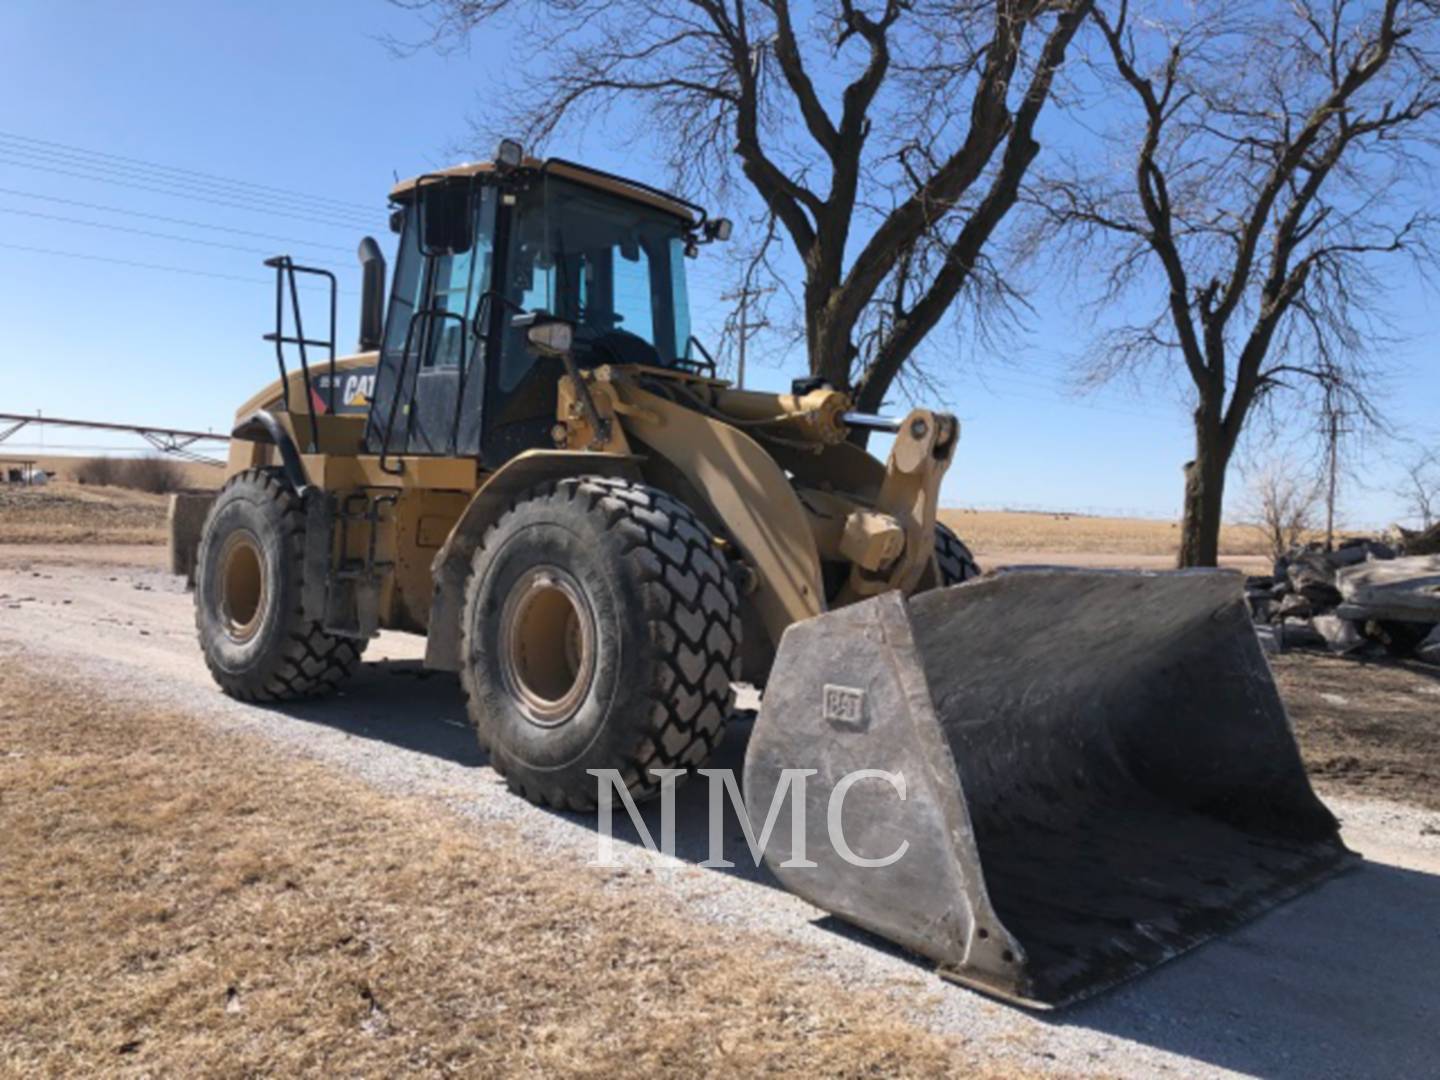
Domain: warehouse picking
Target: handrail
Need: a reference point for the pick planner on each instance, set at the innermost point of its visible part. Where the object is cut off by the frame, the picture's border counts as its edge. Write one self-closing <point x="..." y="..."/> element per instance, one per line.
<point x="285" y="270"/>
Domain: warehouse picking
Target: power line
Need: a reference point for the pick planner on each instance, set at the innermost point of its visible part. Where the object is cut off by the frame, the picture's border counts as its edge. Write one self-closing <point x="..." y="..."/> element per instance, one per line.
<point x="177" y="189"/>
<point x="1051" y="400"/>
<point x="187" y="195"/>
<point x="15" y="137"/>
<point x="191" y="271"/>
<point x="173" y="221"/>
<point x="1038" y="381"/>
<point x="76" y="446"/>
<point x="225" y="189"/>
<point x="145" y="232"/>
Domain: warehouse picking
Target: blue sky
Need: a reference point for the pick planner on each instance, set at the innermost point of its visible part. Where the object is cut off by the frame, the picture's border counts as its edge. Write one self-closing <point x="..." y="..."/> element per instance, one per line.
<point x="305" y="98"/>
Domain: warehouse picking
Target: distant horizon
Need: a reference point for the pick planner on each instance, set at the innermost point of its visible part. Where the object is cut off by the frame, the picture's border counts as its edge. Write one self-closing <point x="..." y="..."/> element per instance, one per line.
<point x="1093" y="512"/>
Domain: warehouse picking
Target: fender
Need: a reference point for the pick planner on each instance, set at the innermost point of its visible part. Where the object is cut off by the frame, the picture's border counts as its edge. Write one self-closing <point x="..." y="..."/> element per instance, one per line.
<point x="452" y="561"/>
<point x="262" y="426"/>
<point x="746" y="490"/>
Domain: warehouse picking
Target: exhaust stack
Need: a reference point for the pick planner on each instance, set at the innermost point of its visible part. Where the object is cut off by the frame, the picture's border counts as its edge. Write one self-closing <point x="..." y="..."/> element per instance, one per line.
<point x="372" y="295"/>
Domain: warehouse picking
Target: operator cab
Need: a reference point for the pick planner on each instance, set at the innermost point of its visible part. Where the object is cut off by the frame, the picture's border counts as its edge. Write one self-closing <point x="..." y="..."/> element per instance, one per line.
<point x="485" y="251"/>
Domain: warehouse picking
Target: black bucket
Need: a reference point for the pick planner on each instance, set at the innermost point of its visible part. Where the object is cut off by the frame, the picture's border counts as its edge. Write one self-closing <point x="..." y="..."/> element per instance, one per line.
<point x="1097" y="774"/>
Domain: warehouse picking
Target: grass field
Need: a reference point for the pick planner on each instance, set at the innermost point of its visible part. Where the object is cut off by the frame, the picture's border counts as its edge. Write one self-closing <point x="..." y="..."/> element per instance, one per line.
<point x="1007" y="530"/>
<point x="988" y="531"/>
<point x="66" y="513"/>
<point x="70" y="513"/>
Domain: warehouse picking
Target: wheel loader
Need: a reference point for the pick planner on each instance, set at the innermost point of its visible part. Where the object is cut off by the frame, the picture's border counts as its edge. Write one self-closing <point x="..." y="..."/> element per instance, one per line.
<point x="532" y="462"/>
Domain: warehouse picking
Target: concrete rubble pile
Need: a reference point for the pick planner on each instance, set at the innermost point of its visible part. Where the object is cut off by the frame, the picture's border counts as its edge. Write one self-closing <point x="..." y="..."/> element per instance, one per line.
<point x="1365" y="597"/>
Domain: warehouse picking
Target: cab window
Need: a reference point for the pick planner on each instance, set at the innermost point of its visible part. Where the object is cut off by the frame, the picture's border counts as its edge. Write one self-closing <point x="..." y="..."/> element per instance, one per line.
<point x="452" y="286"/>
<point x="611" y="266"/>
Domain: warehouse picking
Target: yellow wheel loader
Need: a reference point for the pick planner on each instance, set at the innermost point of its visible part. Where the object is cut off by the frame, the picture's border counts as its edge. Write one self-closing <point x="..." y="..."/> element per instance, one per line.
<point x="1046" y="781"/>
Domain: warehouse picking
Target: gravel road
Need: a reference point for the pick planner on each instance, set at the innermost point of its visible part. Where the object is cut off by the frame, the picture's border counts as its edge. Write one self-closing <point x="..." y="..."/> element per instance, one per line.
<point x="1344" y="982"/>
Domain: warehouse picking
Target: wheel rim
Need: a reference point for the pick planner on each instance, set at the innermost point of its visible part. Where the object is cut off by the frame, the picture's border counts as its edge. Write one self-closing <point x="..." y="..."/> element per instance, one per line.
<point x="547" y="645"/>
<point x="242" y="585"/>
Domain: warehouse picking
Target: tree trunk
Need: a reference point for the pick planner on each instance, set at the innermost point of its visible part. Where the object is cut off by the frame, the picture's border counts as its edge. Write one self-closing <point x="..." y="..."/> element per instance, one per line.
<point x="1204" y="497"/>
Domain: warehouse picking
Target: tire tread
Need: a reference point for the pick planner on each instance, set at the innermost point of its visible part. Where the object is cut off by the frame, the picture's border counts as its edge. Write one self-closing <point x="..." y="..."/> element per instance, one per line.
<point x="692" y="607"/>
<point x="311" y="662"/>
<point x="953" y="558"/>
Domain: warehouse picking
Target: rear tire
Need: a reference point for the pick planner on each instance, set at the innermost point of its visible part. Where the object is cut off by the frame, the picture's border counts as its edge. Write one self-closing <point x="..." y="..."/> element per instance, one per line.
<point x="953" y="558"/>
<point x="257" y="642"/>
<point x="600" y="631"/>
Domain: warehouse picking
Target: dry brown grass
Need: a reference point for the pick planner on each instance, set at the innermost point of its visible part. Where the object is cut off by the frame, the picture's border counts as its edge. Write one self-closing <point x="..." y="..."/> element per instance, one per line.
<point x="72" y="513"/>
<point x="988" y="531"/>
<point x="64" y="513"/>
<point x="179" y="901"/>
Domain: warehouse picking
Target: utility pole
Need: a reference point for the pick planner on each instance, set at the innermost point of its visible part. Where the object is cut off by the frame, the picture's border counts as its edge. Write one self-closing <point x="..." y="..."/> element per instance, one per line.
<point x="1330" y="495"/>
<point x="743" y="296"/>
<point x="1332" y="429"/>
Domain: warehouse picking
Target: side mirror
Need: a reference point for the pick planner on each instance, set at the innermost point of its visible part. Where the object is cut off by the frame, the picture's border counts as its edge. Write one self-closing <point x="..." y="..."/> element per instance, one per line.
<point x="447" y="215"/>
<point x="719" y="229"/>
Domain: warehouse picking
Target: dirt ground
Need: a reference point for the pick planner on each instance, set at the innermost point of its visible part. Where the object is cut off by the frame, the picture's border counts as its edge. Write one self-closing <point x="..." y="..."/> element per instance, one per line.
<point x="1367" y="728"/>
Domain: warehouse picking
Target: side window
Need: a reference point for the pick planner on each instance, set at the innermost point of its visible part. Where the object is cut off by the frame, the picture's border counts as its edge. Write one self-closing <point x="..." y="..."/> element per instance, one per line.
<point x="534" y="280"/>
<point x="405" y="295"/>
<point x="457" y="285"/>
<point x="678" y="297"/>
<point x="540" y="294"/>
<point x="631" y="282"/>
<point x="451" y="292"/>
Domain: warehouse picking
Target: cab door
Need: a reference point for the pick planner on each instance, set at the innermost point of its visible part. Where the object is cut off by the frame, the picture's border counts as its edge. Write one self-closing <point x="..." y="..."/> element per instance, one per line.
<point x="429" y="392"/>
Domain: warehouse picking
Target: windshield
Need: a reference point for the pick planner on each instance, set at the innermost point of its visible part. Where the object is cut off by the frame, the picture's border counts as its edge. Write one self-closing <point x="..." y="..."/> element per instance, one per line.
<point x="614" y="268"/>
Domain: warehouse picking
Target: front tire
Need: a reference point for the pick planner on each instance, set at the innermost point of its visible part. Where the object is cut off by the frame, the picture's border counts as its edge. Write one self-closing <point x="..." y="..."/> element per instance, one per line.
<point x="257" y="642"/>
<point x="953" y="558"/>
<point x="600" y="631"/>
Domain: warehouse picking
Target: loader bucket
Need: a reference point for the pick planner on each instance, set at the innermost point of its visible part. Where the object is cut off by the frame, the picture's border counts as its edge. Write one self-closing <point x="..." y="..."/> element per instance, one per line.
<point x="1091" y="773"/>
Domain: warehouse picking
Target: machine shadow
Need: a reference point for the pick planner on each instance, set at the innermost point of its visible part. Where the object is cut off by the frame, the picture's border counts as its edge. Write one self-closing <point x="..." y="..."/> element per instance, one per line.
<point x="693" y="842"/>
<point x="400" y="703"/>
<point x="1342" y="981"/>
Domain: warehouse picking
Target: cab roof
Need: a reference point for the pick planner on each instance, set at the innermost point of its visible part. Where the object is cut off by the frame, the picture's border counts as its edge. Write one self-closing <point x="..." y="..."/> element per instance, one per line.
<point x="600" y="181"/>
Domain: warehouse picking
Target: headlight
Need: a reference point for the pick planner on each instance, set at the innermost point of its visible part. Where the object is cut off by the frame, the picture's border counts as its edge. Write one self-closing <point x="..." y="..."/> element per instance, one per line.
<point x="508" y="154"/>
<point x="553" y="336"/>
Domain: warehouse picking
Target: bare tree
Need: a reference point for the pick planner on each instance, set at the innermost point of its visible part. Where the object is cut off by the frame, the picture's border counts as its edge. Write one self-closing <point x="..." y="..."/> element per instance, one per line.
<point x="1421" y="488"/>
<point x="1272" y="154"/>
<point x="888" y="140"/>
<point x="1283" y="500"/>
